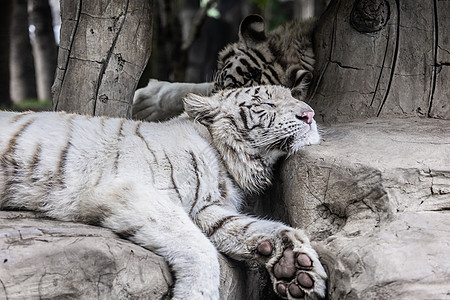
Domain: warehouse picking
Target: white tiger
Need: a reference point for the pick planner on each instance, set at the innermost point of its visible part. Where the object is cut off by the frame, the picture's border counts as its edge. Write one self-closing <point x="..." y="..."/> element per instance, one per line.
<point x="175" y="187"/>
<point x="283" y="56"/>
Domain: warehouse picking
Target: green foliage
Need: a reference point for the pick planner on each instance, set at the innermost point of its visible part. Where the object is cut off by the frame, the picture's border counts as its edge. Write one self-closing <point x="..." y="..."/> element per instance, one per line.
<point x="29" y="104"/>
<point x="261" y="3"/>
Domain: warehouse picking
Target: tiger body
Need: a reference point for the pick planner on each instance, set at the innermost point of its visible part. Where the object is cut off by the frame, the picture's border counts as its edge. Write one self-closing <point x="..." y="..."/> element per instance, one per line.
<point x="283" y="56"/>
<point x="174" y="187"/>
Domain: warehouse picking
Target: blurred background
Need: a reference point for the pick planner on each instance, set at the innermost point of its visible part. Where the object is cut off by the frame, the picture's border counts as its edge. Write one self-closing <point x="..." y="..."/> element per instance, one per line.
<point x="187" y="36"/>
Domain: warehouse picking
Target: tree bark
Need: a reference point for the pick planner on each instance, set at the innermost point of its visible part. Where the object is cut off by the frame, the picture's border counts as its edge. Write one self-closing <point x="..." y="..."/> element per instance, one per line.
<point x="44" y="46"/>
<point x="382" y="58"/>
<point x="23" y="80"/>
<point x="304" y="9"/>
<point x="103" y="50"/>
<point x="5" y="17"/>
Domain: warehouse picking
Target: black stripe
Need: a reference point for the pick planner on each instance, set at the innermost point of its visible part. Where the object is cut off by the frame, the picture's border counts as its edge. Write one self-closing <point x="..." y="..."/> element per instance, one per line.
<point x="272" y="119"/>
<point x="172" y="178"/>
<point x="254" y="60"/>
<point x="99" y="178"/>
<point x="119" y="138"/>
<point x="60" y="171"/>
<point x="227" y="94"/>
<point x="219" y="224"/>
<point x="11" y="148"/>
<point x="260" y="56"/>
<point x="235" y="83"/>
<point x="232" y="121"/>
<point x="9" y="164"/>
<point x="197" y="188"/>
<point x="17" y="117"/>
<point x="223" y="188"/>
<point x="217" y="202"/>
<point x="244" y="62"/>
<point x="246" y="227"/>
<point x="227" y="66"/>
<point x="10" y="171"/>
<point x="138" y="133"/>
<point x="243" y="117"/>
<point x="35" y="160"/>
<point x="274" y="73"/>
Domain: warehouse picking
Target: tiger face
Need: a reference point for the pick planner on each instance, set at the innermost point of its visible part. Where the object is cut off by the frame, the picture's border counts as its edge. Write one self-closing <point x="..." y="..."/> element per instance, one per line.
<point x="283" y="57"/>
<point x="259" y="119"/>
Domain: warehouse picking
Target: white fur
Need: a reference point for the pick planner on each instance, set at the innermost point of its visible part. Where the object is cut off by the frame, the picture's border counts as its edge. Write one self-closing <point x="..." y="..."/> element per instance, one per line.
<point x="174" y="187"/>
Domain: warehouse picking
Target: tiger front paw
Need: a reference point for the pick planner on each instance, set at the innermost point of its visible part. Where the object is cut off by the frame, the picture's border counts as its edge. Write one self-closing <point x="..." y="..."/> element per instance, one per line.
<point x="294" y="266"/>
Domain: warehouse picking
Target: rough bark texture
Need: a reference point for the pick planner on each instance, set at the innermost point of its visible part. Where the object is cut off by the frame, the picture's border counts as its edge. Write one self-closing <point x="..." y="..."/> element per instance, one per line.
<point x="44" y="46"/>
<point x="99" y="61"/>
<point x="381" y="58"/>
<point x="46" y="259"/>
<point x="23" y="81"/>
<point x="375" y="196"/>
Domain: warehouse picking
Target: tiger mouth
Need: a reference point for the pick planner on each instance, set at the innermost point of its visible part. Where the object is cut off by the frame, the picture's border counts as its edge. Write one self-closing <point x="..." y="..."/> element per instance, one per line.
<point x="294" y="142"/>
<point x="288" y="143"/>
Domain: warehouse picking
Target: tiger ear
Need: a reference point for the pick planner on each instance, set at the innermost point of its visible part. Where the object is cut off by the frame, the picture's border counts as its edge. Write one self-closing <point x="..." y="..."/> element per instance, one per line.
<point x="201" y="108"/>
<point x="251" y="30"/>
<point x="300" y="81"/>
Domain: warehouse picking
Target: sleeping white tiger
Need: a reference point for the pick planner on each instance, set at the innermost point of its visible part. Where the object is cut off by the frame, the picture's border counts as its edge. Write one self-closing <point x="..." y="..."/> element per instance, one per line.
<point x="174" y="187"/>
<point x="283" y="57"/>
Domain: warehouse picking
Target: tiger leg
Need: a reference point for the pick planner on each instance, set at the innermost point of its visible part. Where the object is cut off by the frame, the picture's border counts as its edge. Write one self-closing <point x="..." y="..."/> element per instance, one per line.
<point x="149" y="218"/>
<point x="292" y="263"/>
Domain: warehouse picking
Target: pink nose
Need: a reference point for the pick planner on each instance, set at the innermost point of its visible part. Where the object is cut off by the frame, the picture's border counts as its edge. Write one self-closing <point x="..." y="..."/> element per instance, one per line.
<point x="306" y="116"/>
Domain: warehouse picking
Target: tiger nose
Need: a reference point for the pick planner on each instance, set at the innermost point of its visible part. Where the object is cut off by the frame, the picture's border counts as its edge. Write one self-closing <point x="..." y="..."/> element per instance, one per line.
<point x="306" y="116"/>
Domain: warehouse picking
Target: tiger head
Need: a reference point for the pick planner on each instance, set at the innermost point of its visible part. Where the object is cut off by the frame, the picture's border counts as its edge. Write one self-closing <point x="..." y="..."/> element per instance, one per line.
<point x="282" y="57"/>
<point x="251" y="128"/>
<point x="260" y="119"/>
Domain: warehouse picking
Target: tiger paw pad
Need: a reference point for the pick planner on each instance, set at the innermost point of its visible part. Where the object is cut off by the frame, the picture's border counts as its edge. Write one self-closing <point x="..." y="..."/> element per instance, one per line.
<point x="295" y="268"/>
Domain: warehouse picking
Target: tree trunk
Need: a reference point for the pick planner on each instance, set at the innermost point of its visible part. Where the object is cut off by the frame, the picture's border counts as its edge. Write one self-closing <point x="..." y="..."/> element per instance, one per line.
<point x="103" y="50"/>
<point x="23" y="81"/>
<point x="5" y="17"/>
<point x="382" y="58"/>
<point x="44" y="46"/>
<point x="168" y="31"/>
<point x="304" y="9"/>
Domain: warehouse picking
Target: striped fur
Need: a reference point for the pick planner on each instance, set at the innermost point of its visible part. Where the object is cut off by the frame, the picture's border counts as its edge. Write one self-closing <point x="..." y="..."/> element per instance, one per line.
<point x="174" y="187"/>
<point x="284" y="57"/>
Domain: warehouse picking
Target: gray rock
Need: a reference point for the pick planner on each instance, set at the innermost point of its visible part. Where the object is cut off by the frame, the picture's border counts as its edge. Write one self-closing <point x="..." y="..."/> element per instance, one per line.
<point x="375" y="196"/>
<point x="47" y="259"/>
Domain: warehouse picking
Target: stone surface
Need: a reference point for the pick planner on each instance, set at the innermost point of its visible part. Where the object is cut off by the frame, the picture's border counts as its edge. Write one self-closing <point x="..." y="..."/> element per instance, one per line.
<point x="375" y="197"/>
<point x="47" y="259"/>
